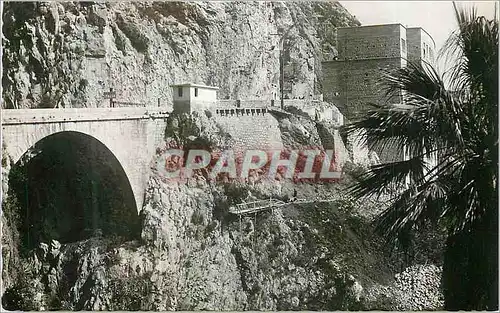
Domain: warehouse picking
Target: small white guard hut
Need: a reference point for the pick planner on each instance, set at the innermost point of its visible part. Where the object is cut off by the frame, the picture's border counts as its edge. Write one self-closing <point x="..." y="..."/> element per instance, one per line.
<point x="193" y="97"/>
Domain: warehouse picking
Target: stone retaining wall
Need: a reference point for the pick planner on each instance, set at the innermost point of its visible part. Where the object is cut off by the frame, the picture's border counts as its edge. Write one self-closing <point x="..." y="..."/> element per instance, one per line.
<point x="252" y="131"/>
<point x="245" y="103"/>
<point x="220" y="104"/>
<point x="241" y="111"/>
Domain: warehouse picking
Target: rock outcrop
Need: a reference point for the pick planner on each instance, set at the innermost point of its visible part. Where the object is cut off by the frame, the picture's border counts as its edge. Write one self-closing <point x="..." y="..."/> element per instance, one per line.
<point x="193" y="254"/>
<point x="70" y="54"/>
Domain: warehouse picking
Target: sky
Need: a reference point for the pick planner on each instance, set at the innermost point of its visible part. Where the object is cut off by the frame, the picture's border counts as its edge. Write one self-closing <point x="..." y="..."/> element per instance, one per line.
<point x="436" y="17"/>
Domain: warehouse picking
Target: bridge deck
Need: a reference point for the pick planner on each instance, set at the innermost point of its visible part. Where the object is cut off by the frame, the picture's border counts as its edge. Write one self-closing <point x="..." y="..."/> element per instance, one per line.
<point x="34" y="116"/>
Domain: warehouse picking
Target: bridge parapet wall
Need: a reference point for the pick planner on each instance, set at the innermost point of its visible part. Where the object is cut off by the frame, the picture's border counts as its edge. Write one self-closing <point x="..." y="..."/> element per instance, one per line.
<point x="30" y="116"/>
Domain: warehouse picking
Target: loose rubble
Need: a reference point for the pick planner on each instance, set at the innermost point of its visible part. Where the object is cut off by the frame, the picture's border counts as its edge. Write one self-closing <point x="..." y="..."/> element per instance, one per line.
<point x="416" y="288"/>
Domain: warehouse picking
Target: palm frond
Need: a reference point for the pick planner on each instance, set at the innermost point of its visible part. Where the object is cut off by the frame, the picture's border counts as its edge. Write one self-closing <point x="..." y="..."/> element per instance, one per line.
<point x="460" y="126"/>
<point x="416" y="205"/>
<point x="473" y="192"/>
<point x="428" y="120"/>
<point x="474" y="50"/>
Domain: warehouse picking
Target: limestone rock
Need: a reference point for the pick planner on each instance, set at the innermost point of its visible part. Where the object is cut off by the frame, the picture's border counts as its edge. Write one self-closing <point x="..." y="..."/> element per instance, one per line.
<point x="70" y="54"/>
<point x="192" y="253"/>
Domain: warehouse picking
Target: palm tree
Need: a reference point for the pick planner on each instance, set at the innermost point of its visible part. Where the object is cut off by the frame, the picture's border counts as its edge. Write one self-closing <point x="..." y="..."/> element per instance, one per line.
<point x="459" y="190"/>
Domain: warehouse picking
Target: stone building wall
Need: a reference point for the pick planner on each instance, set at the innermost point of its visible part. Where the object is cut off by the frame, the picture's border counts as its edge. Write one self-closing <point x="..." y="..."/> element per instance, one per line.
<point x="421" y="45"/>
<point x="414" y="44"/>
<point x="350" y="85"/>
<point x="183" y="106"/>
<point x="355" y="79"/>
<point x="365" y="53"/>
<point x="430" y="46"/>
<point x="368" y="42"/>
<point x="189" y="106"/>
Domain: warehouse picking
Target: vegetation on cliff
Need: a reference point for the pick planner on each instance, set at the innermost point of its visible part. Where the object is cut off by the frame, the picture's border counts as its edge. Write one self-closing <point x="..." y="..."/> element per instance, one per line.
<point x="190" y="252"/>
<point x="193" y="254"/>
<point x="458" y="130"/>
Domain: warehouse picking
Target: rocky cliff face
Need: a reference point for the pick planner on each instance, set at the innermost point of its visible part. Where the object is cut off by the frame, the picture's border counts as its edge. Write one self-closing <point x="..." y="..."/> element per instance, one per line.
<point x="70" y="54"/>
<point x="193" y="254"/>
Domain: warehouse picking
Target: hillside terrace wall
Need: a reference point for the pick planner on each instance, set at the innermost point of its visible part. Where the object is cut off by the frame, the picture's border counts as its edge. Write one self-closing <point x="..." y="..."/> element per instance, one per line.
<point x="245" y="103"/>
<point x="221" y="104"/>
<point x="241" y="111"/>
<point x="249" y="122"/>
<point x="314" y="108"/>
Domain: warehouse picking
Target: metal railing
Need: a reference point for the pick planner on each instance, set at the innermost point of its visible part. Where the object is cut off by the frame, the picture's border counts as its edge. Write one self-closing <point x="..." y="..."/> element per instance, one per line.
<point x="261" y="205"/>
<point x="122" y="104"/>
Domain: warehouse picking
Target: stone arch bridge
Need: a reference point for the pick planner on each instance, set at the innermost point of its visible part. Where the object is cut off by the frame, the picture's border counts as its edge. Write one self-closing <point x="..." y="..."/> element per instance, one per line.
<point x="130" y="134"/>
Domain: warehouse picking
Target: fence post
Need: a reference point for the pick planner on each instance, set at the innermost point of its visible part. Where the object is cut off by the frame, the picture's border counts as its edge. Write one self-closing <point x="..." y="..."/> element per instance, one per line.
<point x="111" y="102"/>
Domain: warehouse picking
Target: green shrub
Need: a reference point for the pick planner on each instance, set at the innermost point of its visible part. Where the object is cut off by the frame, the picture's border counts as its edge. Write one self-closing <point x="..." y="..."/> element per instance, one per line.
<point x="197" y="218"/>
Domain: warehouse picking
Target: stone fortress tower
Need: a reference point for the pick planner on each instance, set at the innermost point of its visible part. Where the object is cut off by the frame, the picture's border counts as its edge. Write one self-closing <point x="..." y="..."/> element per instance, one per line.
<point x="353" y="79"/>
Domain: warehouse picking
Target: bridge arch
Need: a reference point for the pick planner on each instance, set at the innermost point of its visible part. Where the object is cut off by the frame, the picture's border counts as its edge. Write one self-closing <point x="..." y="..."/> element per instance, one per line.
<point x="71" y="186"/>
<point x="131" y="134"/>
